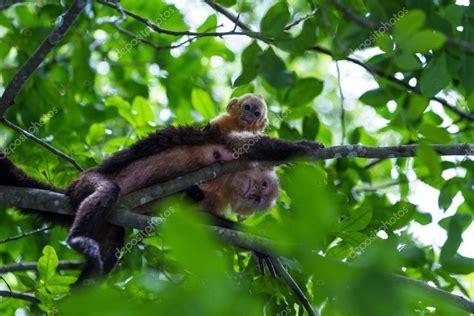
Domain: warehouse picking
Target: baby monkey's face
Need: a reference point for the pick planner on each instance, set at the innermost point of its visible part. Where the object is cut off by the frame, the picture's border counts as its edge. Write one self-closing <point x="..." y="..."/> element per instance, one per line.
<point x="251" y="111"/>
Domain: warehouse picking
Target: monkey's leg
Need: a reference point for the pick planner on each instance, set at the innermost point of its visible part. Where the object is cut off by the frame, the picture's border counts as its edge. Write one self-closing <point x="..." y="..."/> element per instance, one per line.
<point x="90" y="222"/>
<point x="110" y="244"/>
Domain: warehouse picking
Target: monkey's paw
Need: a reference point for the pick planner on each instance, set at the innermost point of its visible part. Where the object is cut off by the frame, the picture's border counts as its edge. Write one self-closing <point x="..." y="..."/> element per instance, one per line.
<point x="310" y="145"/>
<point x="89" y="248"/>
<point x="264" y="260"/>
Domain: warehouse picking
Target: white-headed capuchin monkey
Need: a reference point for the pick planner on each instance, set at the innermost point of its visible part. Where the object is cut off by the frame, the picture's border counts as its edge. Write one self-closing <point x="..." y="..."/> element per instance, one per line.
<point x="245" y="113"/>
<point x="165" y="154"/>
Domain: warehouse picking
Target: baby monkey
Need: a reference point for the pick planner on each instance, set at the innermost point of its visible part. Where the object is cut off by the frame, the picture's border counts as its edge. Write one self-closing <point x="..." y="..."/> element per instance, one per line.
<point x="245" y="113"/>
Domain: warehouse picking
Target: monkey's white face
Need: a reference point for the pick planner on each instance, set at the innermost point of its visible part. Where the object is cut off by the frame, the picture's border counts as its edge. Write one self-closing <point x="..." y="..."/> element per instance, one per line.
<point x="252" y="111"/>
<point x="254" y="190"/>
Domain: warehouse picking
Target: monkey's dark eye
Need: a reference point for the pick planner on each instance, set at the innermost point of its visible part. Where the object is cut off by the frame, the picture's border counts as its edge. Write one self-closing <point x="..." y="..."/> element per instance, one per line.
<point x="257" y="113"/>
<point x="258" y="199"/>
<point x="216" y="155"/>
<point x="264" y="184"/>
<point x="247" y="107"/>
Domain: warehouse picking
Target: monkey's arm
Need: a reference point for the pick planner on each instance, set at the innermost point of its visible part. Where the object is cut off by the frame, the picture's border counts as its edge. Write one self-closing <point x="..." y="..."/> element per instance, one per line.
<point x="261" y="147"/>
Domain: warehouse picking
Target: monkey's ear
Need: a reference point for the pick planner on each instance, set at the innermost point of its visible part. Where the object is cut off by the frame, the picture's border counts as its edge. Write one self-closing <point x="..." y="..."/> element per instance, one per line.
<point x="233" y="106"/>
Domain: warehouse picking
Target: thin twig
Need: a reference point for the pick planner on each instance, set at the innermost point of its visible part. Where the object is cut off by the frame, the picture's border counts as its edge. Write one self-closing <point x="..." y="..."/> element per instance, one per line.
<point x="228" y="14"/>
<point x="161" y="30"/>
<point x="295" y="288"/>
<point x="298" y="21"/>
<point x="27" y="69"/>
<point x="42" y="143"/>
<point x="24" y="234"/>
<point x="375" y="71"/>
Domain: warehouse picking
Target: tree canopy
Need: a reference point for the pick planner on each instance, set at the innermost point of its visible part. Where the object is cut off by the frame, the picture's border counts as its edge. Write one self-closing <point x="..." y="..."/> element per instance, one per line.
<point x="378" y="223"/>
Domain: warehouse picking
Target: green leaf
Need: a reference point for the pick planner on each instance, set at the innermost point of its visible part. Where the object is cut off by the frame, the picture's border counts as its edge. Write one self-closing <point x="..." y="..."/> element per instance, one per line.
<point x="408" y="25"/>
<point x="459" y="265"/>
<point x="275" y="20"/>
<point x="250" y="65"/>
<point x="303" y="91"/>
<point x="143" y="114"/>
<point x="423" y="41"/>
<point x="209" y="25"/>
<point x="47" y="264"/>
<point x="353" y="238"/>
<point x="448" y="192"/>
<point x="203" y="103"/>
<point x="385" y="43"/>
<point x="358" y="219"/>
<point x="454" y="240"/>
<point x="430" y="159"/>
<point x="435" y="77"/>
<point x="375" y="98"/>
<point x="310" y="126"/>
<point x="226" y="3"/>
<point x="302" y="41"/>
<point x="96" y="134"/>
<point x="288" y="132"/>
<point x="413" y="256"/>
<point x="124" y="108"/>
<point x="435" y="134"/>
<point x="407" y="62"/>
<point x="274" y="70"/>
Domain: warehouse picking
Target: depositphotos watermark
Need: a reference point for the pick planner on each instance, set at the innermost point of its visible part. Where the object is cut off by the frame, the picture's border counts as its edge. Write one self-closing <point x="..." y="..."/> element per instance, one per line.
<point x="385" y="27"/>
<point x="373" y="234"/>
<point x="243" y="149"/>
<point x="145" y="33"/>
<point x="33" y="129"/>
<point x="149" y="228"/>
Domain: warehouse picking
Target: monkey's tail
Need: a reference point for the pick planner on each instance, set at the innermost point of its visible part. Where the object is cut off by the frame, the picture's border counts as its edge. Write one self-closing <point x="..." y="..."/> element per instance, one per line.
<point x="11" y="175"/>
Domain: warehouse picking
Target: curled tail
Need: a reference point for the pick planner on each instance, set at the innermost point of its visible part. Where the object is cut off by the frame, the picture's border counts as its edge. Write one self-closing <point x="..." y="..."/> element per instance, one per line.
<point x="11" y="175"/>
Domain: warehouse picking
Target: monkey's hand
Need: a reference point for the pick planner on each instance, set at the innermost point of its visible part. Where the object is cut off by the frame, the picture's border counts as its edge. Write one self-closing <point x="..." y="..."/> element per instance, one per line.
<point x="264" y="260"/>
<point x="313" y="146"/>
<point x="215" y="153"/>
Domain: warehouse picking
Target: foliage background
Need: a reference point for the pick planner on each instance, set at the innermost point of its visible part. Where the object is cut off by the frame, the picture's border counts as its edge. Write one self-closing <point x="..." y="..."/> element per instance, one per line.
<point x="109" y="90"/>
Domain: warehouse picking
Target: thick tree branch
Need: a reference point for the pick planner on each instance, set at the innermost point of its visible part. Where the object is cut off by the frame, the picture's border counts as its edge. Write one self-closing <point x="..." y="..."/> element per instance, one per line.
<point x="20" y="296"/>
<point x="31" y="266"/>
<point x="47" y="200"/>
<point x="377" y="72"/>
<point x="27" y="69"/>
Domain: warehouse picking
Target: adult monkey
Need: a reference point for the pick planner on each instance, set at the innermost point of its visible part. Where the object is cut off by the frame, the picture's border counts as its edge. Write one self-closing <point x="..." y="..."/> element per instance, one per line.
<point x="96" y="191"/>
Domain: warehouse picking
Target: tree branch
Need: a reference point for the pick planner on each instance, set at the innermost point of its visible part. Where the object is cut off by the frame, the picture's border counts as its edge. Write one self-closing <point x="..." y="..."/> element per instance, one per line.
<point x="47" y="200"/>
<point x="31" y="266"/>
<point x="161" y="30"/>
<point x="42" y="143"/>
<point x="228" y="14"/>
<point x="20" y="296"/>
<point x="375" y="71"/>
<point x="24" y="234"/>
<point x="27" y="69"/>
